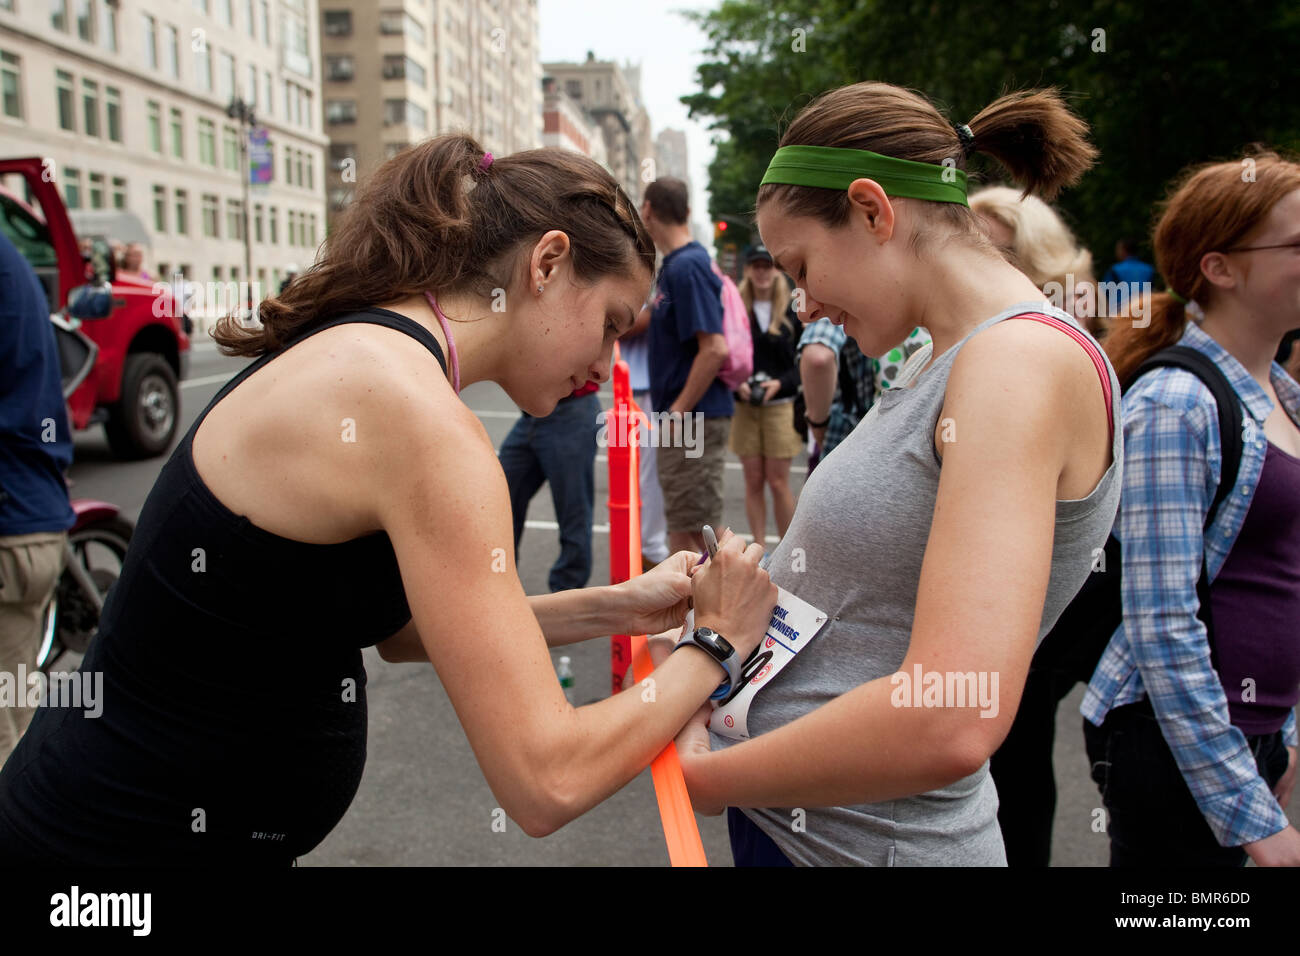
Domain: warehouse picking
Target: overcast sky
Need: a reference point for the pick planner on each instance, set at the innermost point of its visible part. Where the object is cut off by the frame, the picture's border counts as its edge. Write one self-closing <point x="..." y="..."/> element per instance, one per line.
<point x="666" y="45"/>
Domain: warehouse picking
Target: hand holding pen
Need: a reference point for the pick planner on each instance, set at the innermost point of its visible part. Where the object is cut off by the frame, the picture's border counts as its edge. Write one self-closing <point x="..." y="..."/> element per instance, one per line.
<point x="732" y="593"/>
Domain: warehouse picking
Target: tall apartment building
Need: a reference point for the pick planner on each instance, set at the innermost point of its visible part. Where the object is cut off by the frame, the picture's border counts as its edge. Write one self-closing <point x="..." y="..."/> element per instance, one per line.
<point x="670" y="155"/>
<point x="603" y="89"/>
<point x="401" y="71"/>
<point x="128" y="100"/>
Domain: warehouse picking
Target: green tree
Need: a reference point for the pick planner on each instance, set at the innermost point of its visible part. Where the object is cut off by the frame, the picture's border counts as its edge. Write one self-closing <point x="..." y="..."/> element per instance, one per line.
<point x="1163" y="84"/>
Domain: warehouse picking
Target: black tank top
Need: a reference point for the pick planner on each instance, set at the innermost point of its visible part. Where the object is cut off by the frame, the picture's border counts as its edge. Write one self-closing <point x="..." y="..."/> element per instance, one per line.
<point x="233" y="724"/>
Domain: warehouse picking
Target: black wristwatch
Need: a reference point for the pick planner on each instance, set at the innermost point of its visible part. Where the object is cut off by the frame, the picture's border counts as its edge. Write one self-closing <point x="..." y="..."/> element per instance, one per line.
<point x="720" y="649"/>
<point x="813" y="424"/>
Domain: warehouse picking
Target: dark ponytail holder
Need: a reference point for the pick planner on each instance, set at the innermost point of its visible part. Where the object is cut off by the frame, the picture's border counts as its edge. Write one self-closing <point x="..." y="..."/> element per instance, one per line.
<point x="966" y="137"/>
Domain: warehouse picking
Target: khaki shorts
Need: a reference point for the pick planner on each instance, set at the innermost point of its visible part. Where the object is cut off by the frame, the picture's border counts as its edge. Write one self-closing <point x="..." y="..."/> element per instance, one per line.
<point x="765" y="431"/>
<point x="692" y="486"/>
<point x="30" y="565"/>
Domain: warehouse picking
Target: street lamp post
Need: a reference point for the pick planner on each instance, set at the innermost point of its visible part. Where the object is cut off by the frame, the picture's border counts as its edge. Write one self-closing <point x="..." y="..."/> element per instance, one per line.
<point x="239" y="110"/>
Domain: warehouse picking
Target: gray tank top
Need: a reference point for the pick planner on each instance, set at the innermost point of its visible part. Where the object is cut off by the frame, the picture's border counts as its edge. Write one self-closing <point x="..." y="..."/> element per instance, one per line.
<point x="862" y="520"/>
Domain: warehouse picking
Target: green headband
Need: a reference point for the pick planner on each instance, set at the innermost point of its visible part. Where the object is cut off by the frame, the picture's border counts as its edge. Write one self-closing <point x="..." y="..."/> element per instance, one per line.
<point x="831" y="167"/>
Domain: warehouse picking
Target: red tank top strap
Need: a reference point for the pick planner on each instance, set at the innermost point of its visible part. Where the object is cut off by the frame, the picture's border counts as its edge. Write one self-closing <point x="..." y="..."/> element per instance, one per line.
<point x="1093" y="352"/>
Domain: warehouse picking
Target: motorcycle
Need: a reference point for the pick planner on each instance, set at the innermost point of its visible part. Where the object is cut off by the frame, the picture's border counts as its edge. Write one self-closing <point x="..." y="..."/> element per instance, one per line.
<point x="96" y="546"/>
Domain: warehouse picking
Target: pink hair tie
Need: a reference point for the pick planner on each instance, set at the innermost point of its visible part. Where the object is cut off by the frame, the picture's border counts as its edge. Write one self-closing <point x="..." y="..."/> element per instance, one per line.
<point x="487" y="161"/>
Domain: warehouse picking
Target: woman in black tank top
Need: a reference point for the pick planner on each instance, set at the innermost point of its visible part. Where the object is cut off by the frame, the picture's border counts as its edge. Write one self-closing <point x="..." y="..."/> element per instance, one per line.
<point x="191" y="761"/>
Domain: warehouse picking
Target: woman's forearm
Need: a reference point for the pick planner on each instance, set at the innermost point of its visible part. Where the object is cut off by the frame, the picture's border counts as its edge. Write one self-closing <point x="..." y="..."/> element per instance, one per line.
<point x="568" y="617"/>
<point x="858" y="748"/>
<point x="617" y="737"/>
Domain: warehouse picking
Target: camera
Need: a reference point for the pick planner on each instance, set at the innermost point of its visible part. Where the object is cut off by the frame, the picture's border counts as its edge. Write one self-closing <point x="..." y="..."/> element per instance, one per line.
<point x="756" y="391"/>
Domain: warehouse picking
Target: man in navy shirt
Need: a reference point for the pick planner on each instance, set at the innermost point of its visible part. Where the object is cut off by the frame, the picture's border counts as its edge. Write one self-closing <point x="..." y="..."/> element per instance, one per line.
<point x="35" y="447"/>
<point x="1132" y="276"/>
<point x="687" y="349"/>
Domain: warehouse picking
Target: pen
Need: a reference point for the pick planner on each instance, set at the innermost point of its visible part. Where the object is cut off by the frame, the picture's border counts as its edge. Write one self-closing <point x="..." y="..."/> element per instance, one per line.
<point x="710" y="545"/>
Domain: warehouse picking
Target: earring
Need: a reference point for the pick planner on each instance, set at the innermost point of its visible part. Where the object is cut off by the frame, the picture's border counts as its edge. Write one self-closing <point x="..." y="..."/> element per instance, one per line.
<point x="539" y="288"/>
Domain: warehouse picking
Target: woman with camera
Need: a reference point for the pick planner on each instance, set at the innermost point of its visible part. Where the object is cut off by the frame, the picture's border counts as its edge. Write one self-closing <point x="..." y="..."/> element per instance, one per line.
<point x="763" y="432"/>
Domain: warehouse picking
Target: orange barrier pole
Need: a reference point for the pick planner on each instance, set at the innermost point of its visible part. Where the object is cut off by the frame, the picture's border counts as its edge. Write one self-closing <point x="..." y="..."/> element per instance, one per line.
<point x="623" y="422"/>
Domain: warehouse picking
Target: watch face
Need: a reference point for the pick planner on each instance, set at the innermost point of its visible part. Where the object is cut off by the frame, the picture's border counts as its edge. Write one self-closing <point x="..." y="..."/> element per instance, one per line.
<point x="715" y="642"/>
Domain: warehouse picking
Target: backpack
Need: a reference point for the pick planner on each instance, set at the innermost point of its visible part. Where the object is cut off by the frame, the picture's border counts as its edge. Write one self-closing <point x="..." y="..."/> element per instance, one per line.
<point x="1084" y="629"/>
<point x="739" y="363"/>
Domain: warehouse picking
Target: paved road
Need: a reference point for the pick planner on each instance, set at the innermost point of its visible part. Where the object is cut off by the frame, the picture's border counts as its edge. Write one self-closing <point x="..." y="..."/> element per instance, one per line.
<point x="423" y="800"/>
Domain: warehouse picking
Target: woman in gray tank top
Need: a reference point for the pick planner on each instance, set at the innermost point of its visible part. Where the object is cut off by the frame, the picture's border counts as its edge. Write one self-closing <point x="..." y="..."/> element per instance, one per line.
<point x="945" y="535"/>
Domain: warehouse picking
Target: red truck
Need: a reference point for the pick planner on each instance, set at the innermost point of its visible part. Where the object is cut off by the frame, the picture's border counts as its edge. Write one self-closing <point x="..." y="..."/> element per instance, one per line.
<point x="144" y="350"/>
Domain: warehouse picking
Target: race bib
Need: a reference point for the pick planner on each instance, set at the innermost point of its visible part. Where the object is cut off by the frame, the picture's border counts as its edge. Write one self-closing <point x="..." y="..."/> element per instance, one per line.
<point x="793" y="625"/>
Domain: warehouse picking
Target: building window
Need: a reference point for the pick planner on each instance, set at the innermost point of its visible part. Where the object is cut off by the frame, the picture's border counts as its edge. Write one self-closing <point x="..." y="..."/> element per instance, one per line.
<point x="340" y="111"/>
<point x="249" y="22"/>
<point x="227" y="75"/>
<point x="268" y="89"/>
<point x="397" y="112"/>
<point x="339" y="68"/>
<point x="207" y="142"/>
<point x="10" y="87"/>
<point x="119" y="192"/>
<point x="230" y="148"/>
<point x="288" y="165"/>
<point x="272" y="225"/>
<point x="312" y="237"/>
<point x="210" y="216"/>
<point x="257" y="222"/>
<point x="108" y="26"/>
<point x="339" y="197"/>
<point x="155" y="127"/>
<point x="96" y="190"/>
<point x="311" y="174"/>
<point x="66" y="96"/>
<point x="160" y="208"/>
<point x="226" y="12"/>
<point x="59" y="15"/>
<point x="150" y="42"/>
<point x="401" y="22"/>
<point x="72" y="188"/>
<point x="392" y="149"/>
<point x="250" y="88"/>
<point x="182" y="212"/>
<point x="203" y="68"/>
<point x="338" y="23"/>
<point x="86" y="20"/>
<point x="113" y="113"/>
<point x="340" y="153"/>
<point x="172" y="52"/>
<point x="298" y="172"/>
<point x="200" y="5"/>
<point x="291" y="228"/>
<point x="90" y="106"/>
<point x="234" y="219"/>
<point x="265" y="11"/>
<point x="178" y="133"/>
<point x="397" y="66"/>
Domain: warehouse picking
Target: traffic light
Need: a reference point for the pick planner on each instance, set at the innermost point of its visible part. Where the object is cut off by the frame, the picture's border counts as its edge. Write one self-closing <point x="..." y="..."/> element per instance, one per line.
<point x="719" y="228"/>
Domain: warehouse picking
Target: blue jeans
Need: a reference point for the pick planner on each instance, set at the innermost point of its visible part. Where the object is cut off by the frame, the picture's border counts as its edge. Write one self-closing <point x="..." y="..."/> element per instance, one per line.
<point x="559" y="449"/>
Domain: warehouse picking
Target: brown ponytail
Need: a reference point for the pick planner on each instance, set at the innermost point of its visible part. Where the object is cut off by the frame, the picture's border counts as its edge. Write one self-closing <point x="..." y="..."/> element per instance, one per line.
<point x="435" y="218"/>
<point x="1032" y="133"/>
<point x="1211" y="207"/>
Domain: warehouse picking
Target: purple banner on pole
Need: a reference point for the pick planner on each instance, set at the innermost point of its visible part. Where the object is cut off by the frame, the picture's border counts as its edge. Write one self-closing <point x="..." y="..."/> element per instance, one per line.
<point x="260" y="158"/>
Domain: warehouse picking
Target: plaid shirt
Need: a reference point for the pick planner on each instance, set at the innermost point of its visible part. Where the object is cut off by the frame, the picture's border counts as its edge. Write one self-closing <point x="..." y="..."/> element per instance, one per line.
<point x="843" y="420"/>
<point x="1172" y="459"/>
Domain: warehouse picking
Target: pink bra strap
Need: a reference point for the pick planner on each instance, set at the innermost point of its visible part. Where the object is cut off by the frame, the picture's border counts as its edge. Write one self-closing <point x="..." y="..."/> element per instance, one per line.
<point x="1093" y="353"/>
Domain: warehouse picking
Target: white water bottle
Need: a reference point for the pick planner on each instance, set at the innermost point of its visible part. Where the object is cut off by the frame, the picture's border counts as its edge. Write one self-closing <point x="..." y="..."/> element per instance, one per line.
<point x="565" y="673"/>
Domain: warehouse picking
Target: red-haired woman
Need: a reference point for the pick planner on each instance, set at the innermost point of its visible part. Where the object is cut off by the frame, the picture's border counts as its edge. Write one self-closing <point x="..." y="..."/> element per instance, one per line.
<point x="950" y="528"/>
<point x="1196" y="760"/>
<point x="337" y="495"/>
